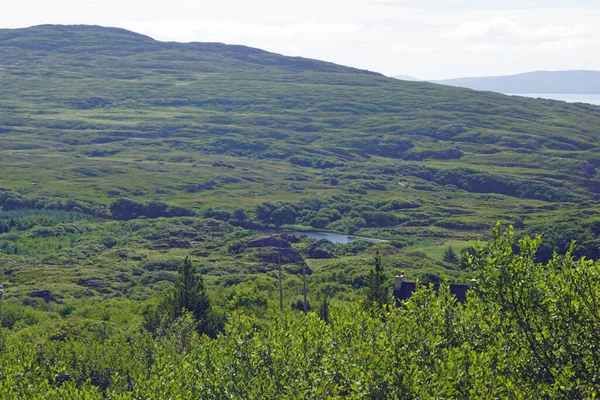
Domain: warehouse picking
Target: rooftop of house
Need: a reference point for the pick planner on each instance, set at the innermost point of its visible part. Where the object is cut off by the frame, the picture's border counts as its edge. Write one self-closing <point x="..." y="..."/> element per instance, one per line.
<point x="403" y="289"/>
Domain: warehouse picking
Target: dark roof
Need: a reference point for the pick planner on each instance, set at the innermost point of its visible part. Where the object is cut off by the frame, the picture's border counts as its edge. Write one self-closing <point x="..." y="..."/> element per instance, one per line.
<point x="406" y="290"/>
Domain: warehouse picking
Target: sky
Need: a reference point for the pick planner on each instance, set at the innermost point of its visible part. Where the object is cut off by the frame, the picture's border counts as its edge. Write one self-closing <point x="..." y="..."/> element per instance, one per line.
<point x="434" y="39"/>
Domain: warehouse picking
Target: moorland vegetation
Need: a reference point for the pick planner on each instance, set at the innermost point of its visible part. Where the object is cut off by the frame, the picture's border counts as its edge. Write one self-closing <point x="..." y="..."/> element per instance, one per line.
<point x="122" y="156"/>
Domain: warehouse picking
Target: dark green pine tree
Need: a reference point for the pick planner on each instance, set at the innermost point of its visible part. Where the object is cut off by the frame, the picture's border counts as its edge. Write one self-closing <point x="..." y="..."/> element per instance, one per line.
<point x="324" y="310"/>
<point x="449" y="256"/>
<point x="377" y="291"/>
<point x="190" y="293"/>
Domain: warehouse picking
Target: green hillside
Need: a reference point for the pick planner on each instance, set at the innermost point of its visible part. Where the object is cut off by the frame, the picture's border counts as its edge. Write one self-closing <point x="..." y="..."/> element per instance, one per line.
<point x="105" y="125"/>
<point x="122" y="156"/>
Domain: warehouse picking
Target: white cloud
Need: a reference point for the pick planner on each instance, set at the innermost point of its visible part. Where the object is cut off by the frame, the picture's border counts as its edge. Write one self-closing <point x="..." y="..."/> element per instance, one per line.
<point x="480" y="29"/>
<point x="570" y="44"/>
<point x="485" y="47"/>
<point x="510" y="29"/>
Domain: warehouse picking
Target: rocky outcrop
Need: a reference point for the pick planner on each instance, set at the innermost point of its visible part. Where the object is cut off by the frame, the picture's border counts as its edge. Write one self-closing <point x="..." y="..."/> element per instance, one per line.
<point x="288" y="256"/>
<point x="290" y="237"/>
<point x="45" y="295"/>
<point x="93" y="283"/>
<point x="587" y="169"/>
<point x="319" y="250"/>
<point x="267" y="241"/>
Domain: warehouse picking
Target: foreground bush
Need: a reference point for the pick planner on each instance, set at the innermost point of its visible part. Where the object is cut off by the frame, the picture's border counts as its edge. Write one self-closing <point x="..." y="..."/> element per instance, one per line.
<point x="527" y="331"/>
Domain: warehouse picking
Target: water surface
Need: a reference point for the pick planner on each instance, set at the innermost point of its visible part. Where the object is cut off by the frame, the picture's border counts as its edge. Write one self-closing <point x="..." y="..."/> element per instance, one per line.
<point x="568" y="97"/>
<point x="336" y="237"/>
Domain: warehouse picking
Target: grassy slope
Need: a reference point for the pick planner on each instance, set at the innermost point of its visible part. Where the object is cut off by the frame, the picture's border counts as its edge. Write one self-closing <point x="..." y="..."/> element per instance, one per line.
<point x="94" y="114"/>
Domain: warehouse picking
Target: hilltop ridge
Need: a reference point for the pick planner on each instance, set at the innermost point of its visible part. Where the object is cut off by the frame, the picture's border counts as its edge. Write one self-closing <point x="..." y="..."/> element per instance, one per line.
<point x="76" y="40"/>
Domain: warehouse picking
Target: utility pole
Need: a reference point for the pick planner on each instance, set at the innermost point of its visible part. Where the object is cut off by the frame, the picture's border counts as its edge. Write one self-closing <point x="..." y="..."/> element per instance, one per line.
<point x="1" y="293"/>
<point x="304" y="276"/>
<point x="280" y="283"/>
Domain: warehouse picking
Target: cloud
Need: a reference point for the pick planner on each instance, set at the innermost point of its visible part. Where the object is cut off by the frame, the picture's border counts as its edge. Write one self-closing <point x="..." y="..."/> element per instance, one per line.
<point x="570" y="44"/>
<point x="401" y="47"/>
<point x="486" y="47"/>
<point x="481" y="29"/>
<point x="510" y="29"/>
<point x="238" y="32"/>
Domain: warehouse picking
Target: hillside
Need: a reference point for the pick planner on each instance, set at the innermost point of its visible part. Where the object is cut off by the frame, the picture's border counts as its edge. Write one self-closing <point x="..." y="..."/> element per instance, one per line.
<point x="148" y="191"/>
<point x="557" y="82"/>
<point x="100" y="126"/>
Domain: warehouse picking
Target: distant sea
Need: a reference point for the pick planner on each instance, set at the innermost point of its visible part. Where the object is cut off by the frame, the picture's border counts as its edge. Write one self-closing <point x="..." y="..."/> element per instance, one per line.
<point x="569" y="98"/>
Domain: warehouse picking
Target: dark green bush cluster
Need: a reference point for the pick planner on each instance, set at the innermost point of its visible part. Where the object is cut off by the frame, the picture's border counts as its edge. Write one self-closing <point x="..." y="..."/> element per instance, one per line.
<point x="344" y="213"/>
<point x="558" y="238"/>
<point x="473" y="181"/>
<point x="12" y="201"/>
<point x="27" y="218"/>
<point x="126" y="209"/>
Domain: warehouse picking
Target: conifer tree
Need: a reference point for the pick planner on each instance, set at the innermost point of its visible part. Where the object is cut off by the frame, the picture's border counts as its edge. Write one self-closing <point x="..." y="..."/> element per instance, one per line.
<point x="449" y="256"/>
<point x="377" y="292"/>
<point x="190" y="293"/>
<point x="324" y="310"/>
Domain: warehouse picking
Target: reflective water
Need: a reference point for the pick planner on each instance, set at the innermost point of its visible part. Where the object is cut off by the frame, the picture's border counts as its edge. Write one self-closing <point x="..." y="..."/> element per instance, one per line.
<point x="568" y="97"/>
<point x="336" y="237"/>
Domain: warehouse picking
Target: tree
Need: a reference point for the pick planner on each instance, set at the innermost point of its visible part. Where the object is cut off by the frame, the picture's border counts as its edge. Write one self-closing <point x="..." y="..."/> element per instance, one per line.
<point x="239" y="214"/>
<point x="324" y="310"/>
<point x="190" y="293"/>
<point x="377" y="292"/>
<point x="125" y="209"/>
<point x="450" y="256"/>
<point x="548" y="313"/>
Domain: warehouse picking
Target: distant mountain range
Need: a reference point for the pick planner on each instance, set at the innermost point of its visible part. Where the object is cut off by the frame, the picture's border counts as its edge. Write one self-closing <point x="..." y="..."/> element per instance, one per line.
<point x="572" y="82"/>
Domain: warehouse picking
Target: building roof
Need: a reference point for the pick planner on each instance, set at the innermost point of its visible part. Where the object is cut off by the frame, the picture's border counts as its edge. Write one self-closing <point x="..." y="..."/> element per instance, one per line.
<point x="404" y="290"/>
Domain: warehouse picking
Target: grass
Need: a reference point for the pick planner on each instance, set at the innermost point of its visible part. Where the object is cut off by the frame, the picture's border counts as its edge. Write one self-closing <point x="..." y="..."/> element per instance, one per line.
<point x="435" y="250"/>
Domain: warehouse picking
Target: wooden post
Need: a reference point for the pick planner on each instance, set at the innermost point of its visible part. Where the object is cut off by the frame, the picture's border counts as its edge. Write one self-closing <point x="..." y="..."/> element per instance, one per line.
<point x="280" y="283"/>
<point x="305" y="304"/>
<point x="1" y="293"/>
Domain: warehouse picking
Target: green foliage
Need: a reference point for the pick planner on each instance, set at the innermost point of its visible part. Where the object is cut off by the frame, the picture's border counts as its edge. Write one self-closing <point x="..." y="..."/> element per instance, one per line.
<point x="248" y="299"/>
<point x="549" y="313"/>
<point x="526" y="331"/>
<point x="450" y="256"/>
<point x="126" y="209"/>
<point x="236" y="247"/>
<point x="324" y="310"/>
<point x="378" y="292"/>
<point x="190" y="293"/>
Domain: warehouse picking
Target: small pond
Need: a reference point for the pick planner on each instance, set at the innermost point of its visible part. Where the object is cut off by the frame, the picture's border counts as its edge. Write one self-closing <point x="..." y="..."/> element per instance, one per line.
<point x="336" y="237"/>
